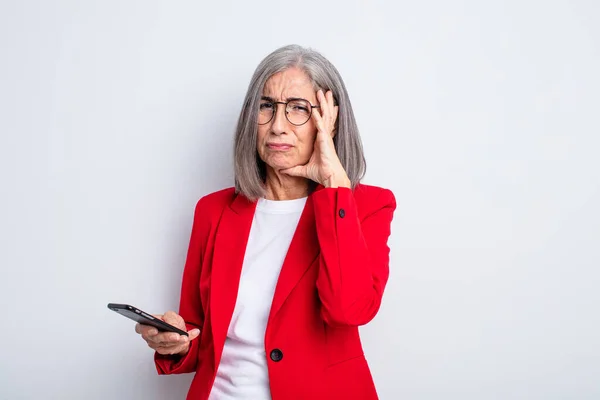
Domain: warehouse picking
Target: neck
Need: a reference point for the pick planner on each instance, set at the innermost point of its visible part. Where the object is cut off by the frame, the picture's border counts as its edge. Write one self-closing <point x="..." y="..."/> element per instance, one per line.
<point x="284" y="187"/>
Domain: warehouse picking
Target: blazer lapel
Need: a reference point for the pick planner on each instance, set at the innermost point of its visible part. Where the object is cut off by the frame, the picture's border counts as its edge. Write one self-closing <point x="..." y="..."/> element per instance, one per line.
<point x="302" y="252"/>
<point x="228" y="257"/>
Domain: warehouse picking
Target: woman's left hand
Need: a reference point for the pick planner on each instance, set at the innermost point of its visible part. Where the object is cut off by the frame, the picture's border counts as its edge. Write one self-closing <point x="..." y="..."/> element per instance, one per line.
<point x="324" y="165"/>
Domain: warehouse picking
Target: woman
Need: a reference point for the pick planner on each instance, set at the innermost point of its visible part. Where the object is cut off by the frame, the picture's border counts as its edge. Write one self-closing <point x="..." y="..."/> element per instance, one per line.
<point x="282" y="269"/>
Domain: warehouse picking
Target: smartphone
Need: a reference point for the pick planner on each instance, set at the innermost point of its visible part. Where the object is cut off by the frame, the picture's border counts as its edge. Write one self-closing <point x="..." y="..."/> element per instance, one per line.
<point x="144" y="318"/>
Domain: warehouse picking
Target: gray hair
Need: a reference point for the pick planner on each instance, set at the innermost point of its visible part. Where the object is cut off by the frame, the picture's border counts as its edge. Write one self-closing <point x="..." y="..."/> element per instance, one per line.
<point x="250" y="170"/>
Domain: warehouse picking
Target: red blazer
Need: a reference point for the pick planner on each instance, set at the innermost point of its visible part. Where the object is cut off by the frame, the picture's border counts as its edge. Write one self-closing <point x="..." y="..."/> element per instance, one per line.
<point x="331" y="282"/>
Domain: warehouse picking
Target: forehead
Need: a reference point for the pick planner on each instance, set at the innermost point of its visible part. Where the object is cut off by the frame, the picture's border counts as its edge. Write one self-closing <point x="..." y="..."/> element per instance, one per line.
<point x="292" y="82"/>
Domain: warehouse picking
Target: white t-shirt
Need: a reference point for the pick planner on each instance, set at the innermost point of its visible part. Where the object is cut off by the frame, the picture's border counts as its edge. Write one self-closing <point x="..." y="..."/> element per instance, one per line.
<point x="242" y="373"/>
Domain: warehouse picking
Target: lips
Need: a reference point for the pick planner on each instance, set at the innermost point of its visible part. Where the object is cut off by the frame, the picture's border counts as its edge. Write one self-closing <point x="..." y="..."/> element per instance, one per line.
<point x="278" y="146"/>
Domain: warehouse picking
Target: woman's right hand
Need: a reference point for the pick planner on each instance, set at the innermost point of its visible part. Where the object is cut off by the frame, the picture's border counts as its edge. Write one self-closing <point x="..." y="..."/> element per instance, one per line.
<point x="168" y="343"/>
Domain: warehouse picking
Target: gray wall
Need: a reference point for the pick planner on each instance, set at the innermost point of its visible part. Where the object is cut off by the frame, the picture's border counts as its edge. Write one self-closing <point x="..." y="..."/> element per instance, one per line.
<point x="116" y="116"/>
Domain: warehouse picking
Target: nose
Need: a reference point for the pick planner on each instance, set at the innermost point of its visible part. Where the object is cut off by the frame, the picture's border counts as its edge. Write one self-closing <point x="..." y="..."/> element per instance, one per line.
<point x="279" y="122"/>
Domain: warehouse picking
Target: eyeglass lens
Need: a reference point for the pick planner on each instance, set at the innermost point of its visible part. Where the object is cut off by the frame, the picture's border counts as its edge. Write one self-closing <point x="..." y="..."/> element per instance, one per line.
<point x="298" y="111"/>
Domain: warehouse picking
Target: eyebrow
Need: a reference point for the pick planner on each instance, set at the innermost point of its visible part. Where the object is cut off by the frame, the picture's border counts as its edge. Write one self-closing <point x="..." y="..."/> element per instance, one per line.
<point x="267" y="98"/>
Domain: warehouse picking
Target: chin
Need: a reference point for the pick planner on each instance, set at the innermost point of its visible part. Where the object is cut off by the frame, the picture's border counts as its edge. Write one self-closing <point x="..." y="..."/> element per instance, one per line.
<point x="278" y="167"/>
<point x="280" y="164"/>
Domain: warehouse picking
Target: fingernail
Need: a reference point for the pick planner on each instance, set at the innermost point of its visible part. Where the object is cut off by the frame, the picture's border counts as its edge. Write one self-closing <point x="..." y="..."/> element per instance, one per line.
<point x="195" y="331"/>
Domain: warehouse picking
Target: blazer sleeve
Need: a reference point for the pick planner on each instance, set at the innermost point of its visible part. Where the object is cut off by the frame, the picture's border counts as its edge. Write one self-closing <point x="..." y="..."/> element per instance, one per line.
<point x="354" y="259"/>
<point x="190" y="307"/>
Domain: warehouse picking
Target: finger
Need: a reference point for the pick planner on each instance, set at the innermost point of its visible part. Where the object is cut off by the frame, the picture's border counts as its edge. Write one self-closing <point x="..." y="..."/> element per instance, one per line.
<point x="333" y="111"/>
<point x="326" y="115"/>
<point x="333" y="108"/>
<point x="323" y="134"/>
<point x="323" y="106"/>
<point x="298" y="170"/>
<point x="161" y="347"/>
<point x="330" y="102"/>
<point x="165" y="338"/>
<point x="171" y="337"/>
<point x="326" y="104"/>
<point x="193" y="334"/>
<point x="183" y="339"/>
<point x="152" y="339"/>
<point x="318" y="119"/>
<point x="146" y="330"/>
<point x="167" y="345"/>
<point x="335" y="115"/>
<point x="169" y="350"/>
<point x="171" y="317"/>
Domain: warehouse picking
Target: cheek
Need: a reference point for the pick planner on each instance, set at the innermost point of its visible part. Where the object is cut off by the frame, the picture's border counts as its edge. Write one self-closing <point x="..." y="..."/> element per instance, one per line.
<point x="307" y="138"/>
<point x="260" y="137"/>
<point x="305" y="149"/>
<point x="261" y="133"/>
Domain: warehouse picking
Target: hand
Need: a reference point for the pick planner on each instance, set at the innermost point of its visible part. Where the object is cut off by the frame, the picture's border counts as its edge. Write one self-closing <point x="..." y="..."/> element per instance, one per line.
<point x="324" y="166"/>
<point x="168" y="343"/>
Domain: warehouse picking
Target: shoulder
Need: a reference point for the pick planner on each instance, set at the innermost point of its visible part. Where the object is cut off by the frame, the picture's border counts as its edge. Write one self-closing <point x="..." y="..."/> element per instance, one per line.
<point x="218" y="198"/>
<point x="210" y="207"/>
<point x="370" y="199"/>
<point x="215" y="201"/>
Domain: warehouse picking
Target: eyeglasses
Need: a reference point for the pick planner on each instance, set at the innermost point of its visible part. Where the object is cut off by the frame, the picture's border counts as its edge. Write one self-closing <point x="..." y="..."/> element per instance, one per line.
<point x="297" y="111"/>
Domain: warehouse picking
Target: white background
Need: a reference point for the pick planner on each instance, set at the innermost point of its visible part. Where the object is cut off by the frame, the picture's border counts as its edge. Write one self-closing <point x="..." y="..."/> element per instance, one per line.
<point x="482" y="117"/>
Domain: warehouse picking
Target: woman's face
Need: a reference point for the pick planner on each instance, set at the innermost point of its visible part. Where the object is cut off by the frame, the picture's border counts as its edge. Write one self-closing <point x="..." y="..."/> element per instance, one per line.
<point x="281" y="144"/>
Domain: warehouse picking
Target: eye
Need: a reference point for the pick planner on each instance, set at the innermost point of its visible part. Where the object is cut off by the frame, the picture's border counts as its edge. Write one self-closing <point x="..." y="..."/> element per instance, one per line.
<point x="298" y="107"/>
<point x="266" y="106"/>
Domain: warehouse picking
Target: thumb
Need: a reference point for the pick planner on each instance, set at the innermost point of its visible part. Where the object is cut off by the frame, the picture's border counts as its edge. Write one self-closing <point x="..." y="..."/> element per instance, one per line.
<point x="193" y="334"/>
<point x="299" y="170"/>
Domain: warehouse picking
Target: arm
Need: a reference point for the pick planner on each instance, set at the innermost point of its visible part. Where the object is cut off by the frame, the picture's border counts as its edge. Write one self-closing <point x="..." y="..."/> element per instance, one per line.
<point x="354" y="256"/>
<point x="190" y="307"/>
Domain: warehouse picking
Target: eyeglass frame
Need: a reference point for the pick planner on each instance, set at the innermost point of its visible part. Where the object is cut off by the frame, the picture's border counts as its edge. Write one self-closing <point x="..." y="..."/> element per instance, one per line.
<point x="285" y="103"/>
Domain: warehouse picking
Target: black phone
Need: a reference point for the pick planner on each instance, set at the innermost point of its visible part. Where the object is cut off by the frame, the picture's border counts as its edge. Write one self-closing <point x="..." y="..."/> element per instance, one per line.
<point x="144" y="318"/>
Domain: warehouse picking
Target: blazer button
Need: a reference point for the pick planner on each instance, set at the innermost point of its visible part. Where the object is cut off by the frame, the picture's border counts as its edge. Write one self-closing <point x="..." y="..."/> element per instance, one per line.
<point x="276" y="355"/>
<point x="342" y="213"/>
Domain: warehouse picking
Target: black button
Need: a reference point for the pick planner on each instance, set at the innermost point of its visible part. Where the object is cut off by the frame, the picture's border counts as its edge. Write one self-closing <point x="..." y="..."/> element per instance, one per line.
<point x="342" y="213"/>
<point x="276" y="355"/>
